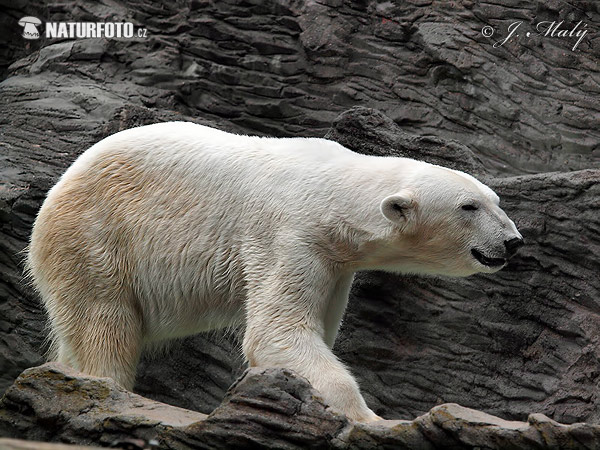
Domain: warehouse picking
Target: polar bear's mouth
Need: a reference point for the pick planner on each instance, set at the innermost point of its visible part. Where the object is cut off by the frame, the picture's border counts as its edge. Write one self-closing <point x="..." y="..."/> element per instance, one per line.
<point x="490" y="262"/>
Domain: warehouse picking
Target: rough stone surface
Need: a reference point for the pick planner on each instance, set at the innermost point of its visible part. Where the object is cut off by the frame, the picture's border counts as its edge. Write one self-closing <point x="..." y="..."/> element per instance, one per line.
<point x="289" y="67"/>
<point x="269" y="408"/>
<point x="53" y="402"/>
<point x="527" y="106"/>
<point x="525" y="339"/>
<point x="369" y="131"/>
<point x="265" y="408"/>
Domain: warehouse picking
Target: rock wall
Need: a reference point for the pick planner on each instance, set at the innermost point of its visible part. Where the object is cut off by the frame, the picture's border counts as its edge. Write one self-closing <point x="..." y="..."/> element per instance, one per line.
<point x="520" y="341"/>
<point x="290" y="67"/>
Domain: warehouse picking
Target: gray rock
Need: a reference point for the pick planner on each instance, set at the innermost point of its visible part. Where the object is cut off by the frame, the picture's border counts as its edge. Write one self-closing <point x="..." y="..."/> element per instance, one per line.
<point x="290" y="67"/>
<point x="265" y="408"/>
<point x="369" y="131"/>
<point x="53" y="402"/>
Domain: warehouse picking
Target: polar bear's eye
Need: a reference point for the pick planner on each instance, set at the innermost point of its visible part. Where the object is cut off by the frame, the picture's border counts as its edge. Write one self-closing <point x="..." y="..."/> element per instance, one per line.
<point x="469" y="207"/>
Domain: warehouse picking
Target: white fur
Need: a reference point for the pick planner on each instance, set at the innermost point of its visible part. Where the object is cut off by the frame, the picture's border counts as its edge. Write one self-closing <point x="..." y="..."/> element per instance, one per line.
<point x="171" y="229"/>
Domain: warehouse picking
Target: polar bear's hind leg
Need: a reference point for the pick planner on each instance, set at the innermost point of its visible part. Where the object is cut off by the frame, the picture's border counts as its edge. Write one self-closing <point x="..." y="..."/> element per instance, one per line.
<point x="104" y="340"/>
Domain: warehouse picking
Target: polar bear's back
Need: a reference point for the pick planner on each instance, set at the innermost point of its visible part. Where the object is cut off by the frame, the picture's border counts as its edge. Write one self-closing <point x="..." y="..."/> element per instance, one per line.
<point x="166" y="143"/>
<point x="199" y="155"/>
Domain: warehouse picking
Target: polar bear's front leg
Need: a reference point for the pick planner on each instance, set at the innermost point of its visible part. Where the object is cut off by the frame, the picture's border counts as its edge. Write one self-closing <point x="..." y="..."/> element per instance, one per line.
<point x="285" y="328"/>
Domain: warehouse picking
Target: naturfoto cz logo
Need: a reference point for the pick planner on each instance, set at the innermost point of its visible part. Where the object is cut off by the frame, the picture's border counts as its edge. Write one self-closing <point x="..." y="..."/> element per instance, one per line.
<point x="30" y="24"/>
<point x="75" y="30"/>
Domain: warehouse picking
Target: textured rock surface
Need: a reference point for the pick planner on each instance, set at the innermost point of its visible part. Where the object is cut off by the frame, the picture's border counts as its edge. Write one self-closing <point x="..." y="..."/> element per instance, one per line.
<point x="522" y="340"/>
<point x="53" y="402"/>
<point x="268" y="408"/>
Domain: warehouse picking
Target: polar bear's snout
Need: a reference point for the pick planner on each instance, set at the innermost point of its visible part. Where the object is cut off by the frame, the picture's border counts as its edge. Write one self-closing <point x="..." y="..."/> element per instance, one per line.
<point x="512" y="245"/>
<point x="487" y="260"/>
<point x="495" y="255"/>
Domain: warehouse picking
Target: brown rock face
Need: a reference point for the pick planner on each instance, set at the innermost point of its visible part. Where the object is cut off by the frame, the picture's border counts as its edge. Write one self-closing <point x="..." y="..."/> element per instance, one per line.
<point x="54" y="401"/>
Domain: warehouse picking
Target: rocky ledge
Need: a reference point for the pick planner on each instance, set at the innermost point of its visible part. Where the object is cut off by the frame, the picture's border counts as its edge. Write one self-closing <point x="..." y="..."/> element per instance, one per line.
<point x="265" y="408"/>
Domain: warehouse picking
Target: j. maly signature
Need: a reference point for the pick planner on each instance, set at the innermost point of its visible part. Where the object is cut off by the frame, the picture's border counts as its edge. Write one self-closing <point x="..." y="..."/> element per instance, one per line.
<point x="548" y="29"/>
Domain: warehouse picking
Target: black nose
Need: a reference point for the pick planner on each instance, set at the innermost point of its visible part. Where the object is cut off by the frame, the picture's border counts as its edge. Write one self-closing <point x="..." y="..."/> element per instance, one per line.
<point x="513" y="245"/>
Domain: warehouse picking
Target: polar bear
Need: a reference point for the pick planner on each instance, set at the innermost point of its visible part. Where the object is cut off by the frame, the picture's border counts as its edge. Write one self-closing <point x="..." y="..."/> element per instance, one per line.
<point x="171" y="229"/>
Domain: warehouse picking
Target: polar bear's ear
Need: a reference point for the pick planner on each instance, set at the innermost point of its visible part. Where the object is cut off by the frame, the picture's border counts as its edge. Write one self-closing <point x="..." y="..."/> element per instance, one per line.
<point x="398" y="208"/>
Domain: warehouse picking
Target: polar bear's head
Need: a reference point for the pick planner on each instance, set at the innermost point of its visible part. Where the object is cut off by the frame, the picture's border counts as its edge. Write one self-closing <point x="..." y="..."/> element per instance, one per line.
<point x="446" y="222"/>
